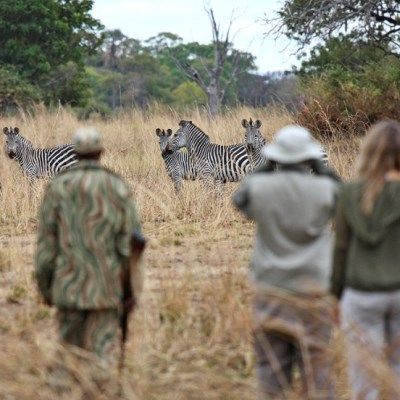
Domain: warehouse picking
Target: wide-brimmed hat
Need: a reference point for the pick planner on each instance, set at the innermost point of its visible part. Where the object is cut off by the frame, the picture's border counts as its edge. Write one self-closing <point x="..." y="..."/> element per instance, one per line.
<point x="87" y="141"/>
<point x="292" y="144"/>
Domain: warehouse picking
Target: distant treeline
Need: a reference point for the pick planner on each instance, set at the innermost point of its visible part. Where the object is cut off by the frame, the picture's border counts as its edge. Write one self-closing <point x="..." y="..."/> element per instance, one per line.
<point x="55" y="52"/>
<point x="126" y="72"/>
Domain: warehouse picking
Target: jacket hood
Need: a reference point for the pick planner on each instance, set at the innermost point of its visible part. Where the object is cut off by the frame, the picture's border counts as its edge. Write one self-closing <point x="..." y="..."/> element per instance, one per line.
<point x="372" y="228"/>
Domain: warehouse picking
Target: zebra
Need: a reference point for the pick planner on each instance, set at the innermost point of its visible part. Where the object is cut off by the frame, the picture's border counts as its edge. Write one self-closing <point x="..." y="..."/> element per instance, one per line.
<point x="255" y="141"/>
<point x="214" y="163"/>
<point x="177" y="163"/>
<point x="35" y="162"/>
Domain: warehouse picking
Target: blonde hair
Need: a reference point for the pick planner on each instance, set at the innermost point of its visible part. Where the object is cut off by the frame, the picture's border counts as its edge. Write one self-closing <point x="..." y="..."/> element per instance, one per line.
<point x="380" y="153"/>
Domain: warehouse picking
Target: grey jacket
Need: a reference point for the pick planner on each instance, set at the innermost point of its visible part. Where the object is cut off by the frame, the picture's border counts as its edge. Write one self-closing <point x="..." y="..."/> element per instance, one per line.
<point x="292" y="211"/>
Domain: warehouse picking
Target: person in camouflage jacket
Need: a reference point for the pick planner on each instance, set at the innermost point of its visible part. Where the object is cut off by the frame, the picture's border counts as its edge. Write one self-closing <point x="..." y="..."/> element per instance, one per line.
<point x="86" y="220"/>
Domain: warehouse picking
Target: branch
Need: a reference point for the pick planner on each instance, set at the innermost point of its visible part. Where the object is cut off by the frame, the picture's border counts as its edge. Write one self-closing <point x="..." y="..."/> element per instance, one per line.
<point x="383" y="18"/>
<point x="191" y="73"/>
<point x="236" y="71"/>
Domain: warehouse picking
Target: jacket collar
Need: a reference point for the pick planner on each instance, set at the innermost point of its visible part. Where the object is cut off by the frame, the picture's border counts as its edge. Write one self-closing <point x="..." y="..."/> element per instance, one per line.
<point x="294" y="167"/>
<point x="88" y="164"/>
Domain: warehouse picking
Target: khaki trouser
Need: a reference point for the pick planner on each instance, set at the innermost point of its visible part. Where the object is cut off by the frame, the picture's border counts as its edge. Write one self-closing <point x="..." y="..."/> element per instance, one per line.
<point x="371" y="323"/>
<point x="293" y="331"/>
<point x="92" y="330"/>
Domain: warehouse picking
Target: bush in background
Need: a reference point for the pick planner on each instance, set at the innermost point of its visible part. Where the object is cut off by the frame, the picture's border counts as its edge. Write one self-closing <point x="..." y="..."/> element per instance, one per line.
<point x="347" y="85"/>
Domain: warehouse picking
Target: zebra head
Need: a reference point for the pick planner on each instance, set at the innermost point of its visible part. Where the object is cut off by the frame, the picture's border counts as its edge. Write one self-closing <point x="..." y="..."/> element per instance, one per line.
<point x="163" y="139"/>
<point x="13" y="141"/>
<point x="180" y="138"/>
<point x="253" y="137"/>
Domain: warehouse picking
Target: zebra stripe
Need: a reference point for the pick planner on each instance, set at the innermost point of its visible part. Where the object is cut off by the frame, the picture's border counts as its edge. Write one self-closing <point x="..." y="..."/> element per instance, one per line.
<point x="177" y="163"/>
<point x="213" y="162"/>
<point x="254" y="141"/>
<point x="36" y="162"/>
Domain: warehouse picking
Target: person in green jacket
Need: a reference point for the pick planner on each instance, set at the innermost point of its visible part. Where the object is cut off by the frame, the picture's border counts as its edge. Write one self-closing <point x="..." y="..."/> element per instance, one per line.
<point x="366" y="269"/>
<point x="86" y="220"/>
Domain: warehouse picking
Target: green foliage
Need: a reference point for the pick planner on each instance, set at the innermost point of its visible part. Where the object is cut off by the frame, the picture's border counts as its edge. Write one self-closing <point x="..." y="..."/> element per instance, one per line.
<point x="346" y="52"/>
<point x="68" y="84"/>
<point x="349" y="84"/>
<point x="187" y="94"/>
<point x="127" y="72"/>
<point x="46" y="42"/>
<point x="375" y="21"/>
<point x="15" y="91"/>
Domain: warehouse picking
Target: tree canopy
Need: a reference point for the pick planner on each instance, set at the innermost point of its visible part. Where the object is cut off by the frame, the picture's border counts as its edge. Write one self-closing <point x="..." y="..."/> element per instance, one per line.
<point x="46" y="42"/>
<point x="375" y="21"/>
<point x="350" y="78"/>
<point x="54" y="51"/>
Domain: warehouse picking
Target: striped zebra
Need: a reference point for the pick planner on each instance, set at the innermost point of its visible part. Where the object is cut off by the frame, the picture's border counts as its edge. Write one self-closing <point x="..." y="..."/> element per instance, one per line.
<point x="38" y="163"/>
<point x="254" y="141"/>
<point x="214" y="163"/>
<point x="177" y="163"/>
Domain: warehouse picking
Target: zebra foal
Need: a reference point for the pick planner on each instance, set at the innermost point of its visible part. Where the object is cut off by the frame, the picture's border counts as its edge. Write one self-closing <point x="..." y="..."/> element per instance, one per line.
<point x="37" y="162"/>
<point x="215" y="164"/>
<point x="177" y="163"/>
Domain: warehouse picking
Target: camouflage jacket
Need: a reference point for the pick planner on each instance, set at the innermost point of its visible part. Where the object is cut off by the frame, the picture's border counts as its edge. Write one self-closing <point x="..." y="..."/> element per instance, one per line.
<point x="85" y="225"/>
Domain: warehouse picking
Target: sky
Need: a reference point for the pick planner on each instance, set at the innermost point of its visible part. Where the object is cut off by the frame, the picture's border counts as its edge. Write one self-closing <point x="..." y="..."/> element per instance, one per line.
<point x="142" y="19"/>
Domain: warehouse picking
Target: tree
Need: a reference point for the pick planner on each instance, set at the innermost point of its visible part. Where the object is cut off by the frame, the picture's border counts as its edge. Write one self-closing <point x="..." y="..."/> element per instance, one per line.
<point x="374" y="21"/>
<point x="42" y="37"/>
<point x="113" y="47"/>
<point x="342" y="51"/>
<point x="152" y="70"/>
<point x="188" y="94"/>
<point x="210" y="80"/>
<point x="15" y="91"/>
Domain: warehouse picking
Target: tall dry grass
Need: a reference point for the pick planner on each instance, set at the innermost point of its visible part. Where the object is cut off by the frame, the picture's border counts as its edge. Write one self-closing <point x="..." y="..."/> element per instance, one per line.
<point x="192" y="331"/>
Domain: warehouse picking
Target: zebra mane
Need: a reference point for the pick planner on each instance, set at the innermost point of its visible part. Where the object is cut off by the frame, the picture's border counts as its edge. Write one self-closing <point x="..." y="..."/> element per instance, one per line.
<point x="24" y="140"/>
<point x="184" y="124"/>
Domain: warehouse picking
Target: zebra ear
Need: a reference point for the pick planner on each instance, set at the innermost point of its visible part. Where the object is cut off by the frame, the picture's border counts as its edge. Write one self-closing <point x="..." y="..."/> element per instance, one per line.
<point x="5" y="130"/>
<point x="158" y="132"/>
<point x="169" y="132"/>
<point x="245" y="124"/>
<point x="257" y="124"/>
<point x="16" y="130"/>
<point x="182" y="123"/>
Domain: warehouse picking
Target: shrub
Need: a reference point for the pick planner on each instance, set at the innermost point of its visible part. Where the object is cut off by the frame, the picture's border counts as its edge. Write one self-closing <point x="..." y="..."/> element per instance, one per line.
<point x="347" y="86"/>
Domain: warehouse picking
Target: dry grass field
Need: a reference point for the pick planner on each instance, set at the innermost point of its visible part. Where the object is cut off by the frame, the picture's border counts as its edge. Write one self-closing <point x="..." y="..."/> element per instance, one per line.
<point x="192" y="332"/>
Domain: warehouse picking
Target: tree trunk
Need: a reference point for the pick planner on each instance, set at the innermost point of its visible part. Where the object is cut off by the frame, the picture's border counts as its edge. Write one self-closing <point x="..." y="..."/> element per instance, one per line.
<point x="213" y="99"/>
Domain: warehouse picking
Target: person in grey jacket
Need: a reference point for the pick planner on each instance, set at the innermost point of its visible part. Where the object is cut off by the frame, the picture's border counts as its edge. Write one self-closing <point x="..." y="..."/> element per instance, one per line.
<point x="291" y="265"/>
<point x="366" y="269"/>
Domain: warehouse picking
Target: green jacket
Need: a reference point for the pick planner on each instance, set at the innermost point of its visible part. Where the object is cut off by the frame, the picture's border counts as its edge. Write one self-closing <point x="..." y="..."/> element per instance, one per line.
<point x="85" y="223"/>
<point x="367" y="248"/>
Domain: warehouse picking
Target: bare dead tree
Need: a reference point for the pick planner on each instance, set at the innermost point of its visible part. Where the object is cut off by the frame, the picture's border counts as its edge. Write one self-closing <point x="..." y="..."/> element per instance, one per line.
<point x="377" y="21"/>
<point x="210" y="81"/>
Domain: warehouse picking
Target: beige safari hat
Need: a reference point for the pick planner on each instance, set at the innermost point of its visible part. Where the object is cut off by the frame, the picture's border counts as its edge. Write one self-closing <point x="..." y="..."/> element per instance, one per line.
<point x="87" y="140"/>
<point x="292" y="144"/>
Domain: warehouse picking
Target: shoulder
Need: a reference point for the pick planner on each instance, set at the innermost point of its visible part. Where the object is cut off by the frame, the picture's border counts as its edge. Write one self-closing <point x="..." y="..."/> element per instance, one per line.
<point x="118" y="182"/>
<point x="258" y="179"/>
<point x="327" y="181"/>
